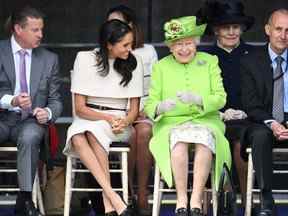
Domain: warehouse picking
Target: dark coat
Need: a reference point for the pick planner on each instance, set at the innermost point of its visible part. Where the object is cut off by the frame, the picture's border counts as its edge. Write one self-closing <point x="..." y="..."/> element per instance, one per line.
<point x="230" y="66"/>
<point x="257" y="76"/>
<point x="257" y="90"/>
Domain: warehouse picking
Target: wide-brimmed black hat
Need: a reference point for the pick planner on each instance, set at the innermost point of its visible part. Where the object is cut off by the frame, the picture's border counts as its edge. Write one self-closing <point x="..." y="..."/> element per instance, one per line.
<point x="221" y="12"/>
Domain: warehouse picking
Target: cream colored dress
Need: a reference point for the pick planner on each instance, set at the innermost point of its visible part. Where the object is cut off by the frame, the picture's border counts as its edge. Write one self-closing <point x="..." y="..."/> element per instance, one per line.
<point x="104" y="91"/>
<point x="189" y="132"/>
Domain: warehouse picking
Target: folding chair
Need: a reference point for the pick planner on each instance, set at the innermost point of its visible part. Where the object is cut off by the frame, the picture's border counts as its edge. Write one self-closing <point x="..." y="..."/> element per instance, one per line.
<point x="36" y="193"/>
<point x="121" y="149"/>
<point x="250" y="178"/>
<point x="159" y="189"/>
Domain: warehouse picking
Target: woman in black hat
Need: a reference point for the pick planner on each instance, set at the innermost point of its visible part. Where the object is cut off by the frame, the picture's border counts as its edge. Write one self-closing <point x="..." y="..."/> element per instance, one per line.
<point x="226" y="19"/>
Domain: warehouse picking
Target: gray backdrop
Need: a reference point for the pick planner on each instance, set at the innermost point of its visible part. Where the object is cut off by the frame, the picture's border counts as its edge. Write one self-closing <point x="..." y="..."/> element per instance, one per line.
<point x="72" y="25"/>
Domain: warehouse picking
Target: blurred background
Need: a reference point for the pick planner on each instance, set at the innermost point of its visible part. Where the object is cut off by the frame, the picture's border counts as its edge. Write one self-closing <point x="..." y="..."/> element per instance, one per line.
<point x="72" y="25"/>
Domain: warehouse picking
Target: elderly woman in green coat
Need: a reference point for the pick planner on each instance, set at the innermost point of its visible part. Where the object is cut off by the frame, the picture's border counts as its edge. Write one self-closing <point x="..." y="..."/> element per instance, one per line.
<point x="185" y="95"/>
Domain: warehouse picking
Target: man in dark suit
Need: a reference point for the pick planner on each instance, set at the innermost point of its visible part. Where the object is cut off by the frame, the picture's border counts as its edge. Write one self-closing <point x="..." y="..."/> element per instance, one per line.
<point x="265" y="100"/>
<point x="29" y="97"/>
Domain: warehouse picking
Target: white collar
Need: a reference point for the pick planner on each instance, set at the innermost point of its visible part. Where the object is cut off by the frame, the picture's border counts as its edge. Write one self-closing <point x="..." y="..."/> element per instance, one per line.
<point x="16" y="47"/>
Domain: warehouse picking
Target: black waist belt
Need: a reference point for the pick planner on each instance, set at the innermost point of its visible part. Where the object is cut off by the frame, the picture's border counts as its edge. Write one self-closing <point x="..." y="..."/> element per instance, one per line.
<point x="103" y="107"/>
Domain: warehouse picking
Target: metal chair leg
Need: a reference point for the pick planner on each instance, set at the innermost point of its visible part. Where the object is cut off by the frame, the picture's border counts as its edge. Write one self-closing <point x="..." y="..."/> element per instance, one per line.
<point x="39" y="196"/>
<point x="68" y="184"/>
<point x="156" y="193"/>
<point x="214" y="192"/>
<point x="124" y="162"/>
<point x="34" y="190"/>
<point x="249" y="186"/>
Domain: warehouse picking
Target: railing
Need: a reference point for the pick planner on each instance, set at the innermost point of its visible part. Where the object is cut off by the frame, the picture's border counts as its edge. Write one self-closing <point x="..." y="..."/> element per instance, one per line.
<point x="156" y="44"/>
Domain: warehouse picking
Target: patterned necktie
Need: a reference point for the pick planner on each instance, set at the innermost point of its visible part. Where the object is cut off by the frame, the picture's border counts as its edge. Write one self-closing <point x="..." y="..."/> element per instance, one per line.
<point x="278" y="93"/>
<point x="23" y="80"/>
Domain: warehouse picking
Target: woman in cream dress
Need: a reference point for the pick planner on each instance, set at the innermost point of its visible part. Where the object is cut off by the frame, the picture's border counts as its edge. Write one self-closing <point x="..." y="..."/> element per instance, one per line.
<point x="140" y="157"/>
<point x="103" y="81"/>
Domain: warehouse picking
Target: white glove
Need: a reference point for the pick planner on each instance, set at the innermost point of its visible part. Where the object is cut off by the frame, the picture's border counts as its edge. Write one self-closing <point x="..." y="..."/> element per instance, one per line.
<point x="240" y="114"/>
<point x="221" y="115"/>
<point x="189" y="98"/>
<point x="231" y="114"/>
<point x="165" y="106"/>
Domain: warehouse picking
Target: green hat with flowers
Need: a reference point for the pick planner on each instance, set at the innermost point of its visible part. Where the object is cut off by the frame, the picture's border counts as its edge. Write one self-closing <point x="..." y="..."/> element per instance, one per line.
<point x="182" y="27"/>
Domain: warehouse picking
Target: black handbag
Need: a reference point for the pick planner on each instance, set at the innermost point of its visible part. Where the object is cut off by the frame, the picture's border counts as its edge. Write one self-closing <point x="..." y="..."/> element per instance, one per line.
<point x="227" y="195"/>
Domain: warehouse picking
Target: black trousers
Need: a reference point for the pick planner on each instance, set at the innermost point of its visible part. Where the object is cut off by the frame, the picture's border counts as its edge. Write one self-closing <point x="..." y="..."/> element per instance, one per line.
<point x="262" y="141"/>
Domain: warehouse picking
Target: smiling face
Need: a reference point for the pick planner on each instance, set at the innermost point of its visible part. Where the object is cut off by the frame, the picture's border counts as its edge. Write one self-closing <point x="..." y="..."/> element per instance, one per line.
<point x="228" y="36"/>
<point x="122" y="48"/>
<point x="277" y="31"/>
<point x="29" y="34"/>
<point x="184" y="49"/>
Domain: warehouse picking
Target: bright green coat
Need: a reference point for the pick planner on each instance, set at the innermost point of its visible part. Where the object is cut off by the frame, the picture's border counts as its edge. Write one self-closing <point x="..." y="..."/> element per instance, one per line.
<point x="200" y="76"/>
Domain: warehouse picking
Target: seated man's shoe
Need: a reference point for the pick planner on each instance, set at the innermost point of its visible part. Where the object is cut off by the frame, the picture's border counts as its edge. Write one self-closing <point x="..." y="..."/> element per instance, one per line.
<point x="267" y="207"/>
<point x="196" y="212"/>
<point x="112" y="213"/>
<point x="268" y="212"/>
<point x="265" y="212"/>
<point x="28" y="210"/>
<point x="181" y="212"/>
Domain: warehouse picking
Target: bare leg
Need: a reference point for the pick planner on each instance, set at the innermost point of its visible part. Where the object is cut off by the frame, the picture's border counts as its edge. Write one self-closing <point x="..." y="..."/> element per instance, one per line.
<point x="144" y="162"/>
<point x="132" y="157"/>
<point x="179" y="160"/>
<point x="201" y="170"/>
<point x="241" y="167"/>
<point x="87" y="156"/>
<point x="102" y="156"/>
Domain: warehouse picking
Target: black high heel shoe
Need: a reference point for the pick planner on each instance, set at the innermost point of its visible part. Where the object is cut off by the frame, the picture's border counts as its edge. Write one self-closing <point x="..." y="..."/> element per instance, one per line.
<point x="112" y="213"/>
<point x="181" y="212"/>
<point x="127" y="212"/>
<point x="196" y="212"/>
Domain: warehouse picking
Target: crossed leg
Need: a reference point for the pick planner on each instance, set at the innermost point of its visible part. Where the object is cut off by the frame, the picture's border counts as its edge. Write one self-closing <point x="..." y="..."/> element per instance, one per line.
<point x="97" y="163"/>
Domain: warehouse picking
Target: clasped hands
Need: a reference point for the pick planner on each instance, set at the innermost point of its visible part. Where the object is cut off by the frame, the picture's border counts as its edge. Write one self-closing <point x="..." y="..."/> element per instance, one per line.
<point x="118" y="124"/>
<point x="232" y="114"/>
<point x="279" y="131"/>
<point x="23" y="100"/>
<point x="185" y="97"/>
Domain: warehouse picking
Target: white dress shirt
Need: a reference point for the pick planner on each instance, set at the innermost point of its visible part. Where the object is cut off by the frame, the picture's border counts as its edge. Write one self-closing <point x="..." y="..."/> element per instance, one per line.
<point x="6" y="100"/>
<point x="273" y="57"/>
<point x="284" y="65"/>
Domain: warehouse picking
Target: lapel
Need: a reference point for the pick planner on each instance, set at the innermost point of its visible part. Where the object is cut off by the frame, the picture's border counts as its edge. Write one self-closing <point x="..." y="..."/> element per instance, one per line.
<point x="8" y="63"/>
<point x="36" y="72"/>
<point x="267" y="70"/>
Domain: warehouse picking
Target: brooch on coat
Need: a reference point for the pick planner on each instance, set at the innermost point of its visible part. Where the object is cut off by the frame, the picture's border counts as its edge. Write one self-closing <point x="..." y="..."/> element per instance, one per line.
<point x="201" y="62"/>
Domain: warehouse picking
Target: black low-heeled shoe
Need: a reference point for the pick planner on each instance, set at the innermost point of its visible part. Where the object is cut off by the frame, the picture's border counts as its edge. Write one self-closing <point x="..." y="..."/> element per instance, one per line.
<point x="112" y="213"/>
<point x="127" y="212"/>
<point x="196" y="212"/>
<point x="28" y="210"/>
<point x="181" y="212"/>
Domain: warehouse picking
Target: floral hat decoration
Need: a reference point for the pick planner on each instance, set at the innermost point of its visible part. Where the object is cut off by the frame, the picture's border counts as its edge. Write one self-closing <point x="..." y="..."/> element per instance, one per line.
<point x="182" y="27"/>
